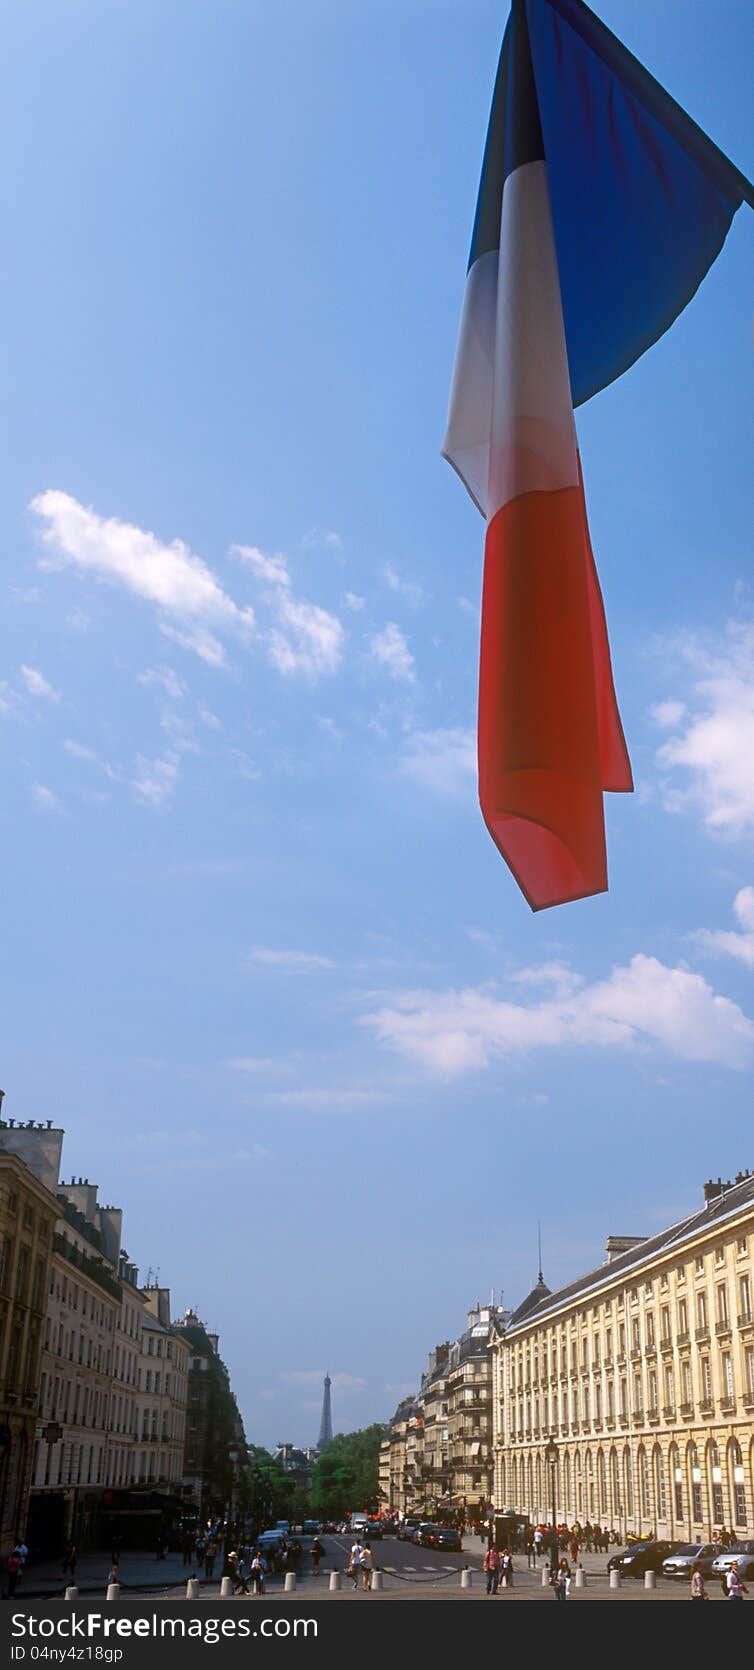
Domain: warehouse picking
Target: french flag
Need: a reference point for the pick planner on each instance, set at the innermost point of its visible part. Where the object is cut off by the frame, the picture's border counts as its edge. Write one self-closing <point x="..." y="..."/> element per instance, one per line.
<point x="601" y="207"/>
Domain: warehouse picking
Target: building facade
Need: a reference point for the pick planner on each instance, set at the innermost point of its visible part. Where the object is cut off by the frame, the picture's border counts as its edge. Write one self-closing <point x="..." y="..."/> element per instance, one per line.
<point x="215" y="1444"/>
<point x="28" y="1212"/>
<point x="469" y="1415"/>
<point x="641" y="1373"/>
<point x="162" y="1401"/>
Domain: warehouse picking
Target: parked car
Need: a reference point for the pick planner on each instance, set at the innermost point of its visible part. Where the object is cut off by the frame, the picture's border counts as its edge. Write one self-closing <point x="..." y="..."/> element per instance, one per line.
<point x="423" y="1532"/>
<point x="688" y="1555"/>
<point x="444" y="1536"/>
<point x="373" y="1530"/>
<point x="743" y="1553"/>
<point x="311" y="1528"/>
<point x="641" y="1557"/>
<point x="407" y="1527"/>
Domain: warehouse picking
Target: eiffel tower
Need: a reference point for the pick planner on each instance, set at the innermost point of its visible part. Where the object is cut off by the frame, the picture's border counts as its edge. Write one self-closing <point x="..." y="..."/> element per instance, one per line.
<point x="325" y="1425"/>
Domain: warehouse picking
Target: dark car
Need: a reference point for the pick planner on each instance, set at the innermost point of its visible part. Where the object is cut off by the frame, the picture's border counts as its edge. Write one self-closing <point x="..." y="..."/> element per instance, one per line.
<point x="425" y="1532"/>
<point x="641" y="1557"/>
<point x="691" y="1554"/>
<point x="444" y="1536"/>
<point x="373" y="1530"/>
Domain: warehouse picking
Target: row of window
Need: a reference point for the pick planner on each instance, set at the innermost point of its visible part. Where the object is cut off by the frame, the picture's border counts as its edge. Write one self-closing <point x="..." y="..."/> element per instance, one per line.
<point x="618" y="1488"/>
<point x="587" y="1404"/>
<point x="531" y="1364"/>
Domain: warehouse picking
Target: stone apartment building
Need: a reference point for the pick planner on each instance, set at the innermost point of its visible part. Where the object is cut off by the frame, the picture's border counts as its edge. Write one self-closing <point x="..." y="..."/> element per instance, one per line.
<point x="469" y="1415"/>
<point x="162" y="1401"/>
<point x="28" y="1212"/>
<point x="433" y="1479"/>
<point x="215" y="1441"/>
<point x="641" y="1374"/>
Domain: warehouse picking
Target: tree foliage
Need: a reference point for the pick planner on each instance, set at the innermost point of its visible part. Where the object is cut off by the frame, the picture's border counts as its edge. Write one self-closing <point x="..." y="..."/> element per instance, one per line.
<point x="346" y="1475"/>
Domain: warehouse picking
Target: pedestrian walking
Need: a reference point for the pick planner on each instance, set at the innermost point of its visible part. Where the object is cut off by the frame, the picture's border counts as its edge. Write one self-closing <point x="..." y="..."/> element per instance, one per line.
<point x="317" y="1550"/>
<point x="506" y="1569"/>
<point x="258" y="1572"/>
<point x="113" y="1575"/>
<point x="561" y="1580"/>
<point x="698" y="1591"/>
<point x="736" y="1589"/>
<point x="210" y="1555"/>
<point x="69" y="1560"/>
<point x="491" y="1565"/>
<point x="354" y="1563"/>
<point x="367" y="1566"/>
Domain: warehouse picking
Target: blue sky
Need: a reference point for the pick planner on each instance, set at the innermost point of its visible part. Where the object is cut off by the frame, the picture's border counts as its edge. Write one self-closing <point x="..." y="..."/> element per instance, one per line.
<point x="260" y="957"/>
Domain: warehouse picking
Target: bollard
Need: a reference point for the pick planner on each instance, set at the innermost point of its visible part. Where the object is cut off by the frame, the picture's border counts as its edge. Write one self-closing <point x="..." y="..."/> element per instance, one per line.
<point x="226" y="1588"/>
<point x="614" y="1579"/>
<point x="113" y="1591"/>
<point x="290" y="1581"/>
<point x="545" y="1578"/>
<point x="465" y="1578"/>
<point x="192" y="1588"/>
<point x="376" y="1579"/>
<point x="71" y="1593"/>
<point x="334" y="1580"/>
<point x="579" y="1581"/>
<point x="650" y="1580"/>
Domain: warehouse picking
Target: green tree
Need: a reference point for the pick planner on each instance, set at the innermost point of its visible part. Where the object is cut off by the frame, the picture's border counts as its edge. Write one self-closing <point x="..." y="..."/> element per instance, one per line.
<point x="346" y="1475"/>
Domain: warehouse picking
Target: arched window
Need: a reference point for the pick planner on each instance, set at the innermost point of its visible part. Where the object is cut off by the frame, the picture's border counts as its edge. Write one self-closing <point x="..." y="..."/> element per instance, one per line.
<point x="738" y="1492"/>
<point x="695" y="1472"/>
<point x="591" y="1504"/>
<point x="615" y="1483"/>
<point x="676" y="1475"/>
<point x="716" y="1480"/>
<point x="601" y="1483"/>
<point x="567" y="1503"/>
<point x="628" y="1482"/>
<point x="659" y="1483"/>
<point x="579" y="1486"/>
<point x="643" y="1483"/>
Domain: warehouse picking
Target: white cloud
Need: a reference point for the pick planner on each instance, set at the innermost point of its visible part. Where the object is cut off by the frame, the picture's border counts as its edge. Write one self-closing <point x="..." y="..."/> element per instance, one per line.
<point x="166" y="679"/>
<point x="79" y="751"/>
<point x="353" y="601"/>
<point x="443" y="760"/>
<point x="288" y="962"/>
<point x="44" y="798"/>
<point x="390" y="650"/>
<point x="254" y="1063"/>
<point x="155" y="781"/>
<point x="243" y="765"/>
<point x="37" y="685"/>
<point x="405" y="588"/>
<point x="308" y="640"/>
<point x="329" y="727"/>
<point x="178" y="583"/>
<point x="668" y="714"/>
<point x="321" y="1099"/>
<point x="304" y="638"/>
<point x="714" y="747"/>
<point x="323" y="538"/>
<point x="728" y="943"/>
<point x="640" y="1004"/>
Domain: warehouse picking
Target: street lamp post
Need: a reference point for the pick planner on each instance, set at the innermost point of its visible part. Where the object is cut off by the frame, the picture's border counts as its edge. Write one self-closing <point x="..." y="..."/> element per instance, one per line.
<point x="551" y="1458"/>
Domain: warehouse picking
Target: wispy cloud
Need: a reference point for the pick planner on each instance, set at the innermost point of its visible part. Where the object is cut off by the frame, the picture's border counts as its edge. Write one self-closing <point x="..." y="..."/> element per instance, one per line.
<point x="407" y="589"/>
<point x="154" y="782"/>
<point x="167" y="680"/>
<point x="284" y="961"/>
<point x="390" y="650"/>
<point x="191" y="602"/>
<point x="37" y="685"/>
<point x="341" y="1381"/>
<point x="324" y="539"/>
<point x="644" y="1003"/>
<point x="45" y="800"/>
<point x="714" y="743"/>
<point x="303" y="637"/>
<point x="443" y="760"/>
<point x="727" y="942"/>
<point x="354" y="602"/>
<point x="326" y="1099"/>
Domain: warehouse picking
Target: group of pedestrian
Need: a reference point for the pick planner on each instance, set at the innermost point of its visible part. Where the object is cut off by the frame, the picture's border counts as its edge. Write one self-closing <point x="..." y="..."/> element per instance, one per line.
<point x="15" y="1565"/>
<point x="498" y="1567"/>
<point x="361" y="1564"/>
<point x="732" y="1583"/>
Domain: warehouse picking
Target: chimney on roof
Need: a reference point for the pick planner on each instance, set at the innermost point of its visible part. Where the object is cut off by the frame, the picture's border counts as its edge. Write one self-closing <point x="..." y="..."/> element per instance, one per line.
<point x="616" y="1245"/>
<point x="714" y="1190"/>
<point x="741" y="1176"/>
